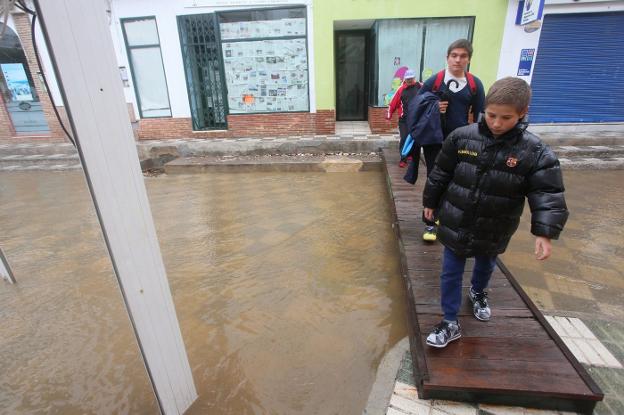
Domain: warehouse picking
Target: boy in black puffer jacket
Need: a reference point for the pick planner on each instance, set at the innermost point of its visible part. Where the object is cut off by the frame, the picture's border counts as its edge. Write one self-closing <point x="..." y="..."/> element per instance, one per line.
<point x="478" y="188"/>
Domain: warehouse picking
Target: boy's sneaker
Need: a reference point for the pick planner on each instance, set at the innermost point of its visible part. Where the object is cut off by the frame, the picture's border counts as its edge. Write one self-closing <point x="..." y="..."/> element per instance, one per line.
<point x="430" y="234"/>
<point x="480" y="306"/>
<point x="444" y="333"/>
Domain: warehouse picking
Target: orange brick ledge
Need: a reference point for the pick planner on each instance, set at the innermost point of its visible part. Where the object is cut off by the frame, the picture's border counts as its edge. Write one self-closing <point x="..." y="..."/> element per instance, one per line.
<point x="322" y="122"/>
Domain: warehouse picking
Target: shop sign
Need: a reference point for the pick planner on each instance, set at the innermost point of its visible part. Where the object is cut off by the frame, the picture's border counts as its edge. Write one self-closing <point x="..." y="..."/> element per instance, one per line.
<point x="529" y="11"/>
<point x="526" y="62"/>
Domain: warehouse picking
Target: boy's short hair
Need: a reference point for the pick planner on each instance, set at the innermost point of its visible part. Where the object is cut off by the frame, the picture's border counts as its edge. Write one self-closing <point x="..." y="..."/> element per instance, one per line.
<point x="460" y="44"/>
<point x="509" y="91"/>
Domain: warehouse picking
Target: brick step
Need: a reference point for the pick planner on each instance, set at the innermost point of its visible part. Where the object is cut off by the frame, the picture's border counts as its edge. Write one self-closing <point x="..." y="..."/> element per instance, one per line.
<point x="593" y="151"/>
<point x="308" y="163"/>
<point x="27" y="149"/>
<point x="40" y="162"/>
<point x="590" y="163"/>
<point x="34" y="159"/>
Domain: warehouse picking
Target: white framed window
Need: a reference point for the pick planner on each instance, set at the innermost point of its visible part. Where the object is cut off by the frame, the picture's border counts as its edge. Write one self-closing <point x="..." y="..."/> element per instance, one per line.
<point x="146" y="66"/>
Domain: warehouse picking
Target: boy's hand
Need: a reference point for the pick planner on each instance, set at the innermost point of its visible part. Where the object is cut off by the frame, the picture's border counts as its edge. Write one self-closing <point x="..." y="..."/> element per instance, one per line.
<point x="443" y="106"/>
<point x="543" y="248"/>
<point x="429" y="214"/>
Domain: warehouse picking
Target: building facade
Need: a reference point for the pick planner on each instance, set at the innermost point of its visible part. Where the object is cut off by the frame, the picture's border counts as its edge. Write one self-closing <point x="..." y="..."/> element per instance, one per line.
<point x="242" y="68"/>
<point x="573" y="57"/>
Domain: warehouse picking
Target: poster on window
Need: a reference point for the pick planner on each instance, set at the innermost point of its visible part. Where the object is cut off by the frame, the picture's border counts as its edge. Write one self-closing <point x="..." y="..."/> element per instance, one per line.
<point x="263" y="28"/>
<point x="17" y="81"/>
<point x="266" y="75"/>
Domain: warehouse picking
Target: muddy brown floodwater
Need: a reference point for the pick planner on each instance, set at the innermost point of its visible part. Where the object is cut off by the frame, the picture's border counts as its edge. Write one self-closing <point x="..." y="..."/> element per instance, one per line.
<point x="585" y="274"/>
<point x="287" y="288"/>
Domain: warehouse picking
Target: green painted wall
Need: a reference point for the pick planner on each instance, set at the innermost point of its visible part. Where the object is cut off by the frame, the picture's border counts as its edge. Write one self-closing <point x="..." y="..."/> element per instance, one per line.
<point x="487" y="37"/>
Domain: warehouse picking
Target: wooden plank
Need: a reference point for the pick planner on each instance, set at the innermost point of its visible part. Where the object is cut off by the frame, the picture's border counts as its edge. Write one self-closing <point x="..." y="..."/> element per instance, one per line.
<point x="464" y="312"/>
<point x="528" y="349"/>
<point x="484" y="364"/>
<point x="556" y="379"/>
<point x="496" y="327"/>
<point x="500" y="296"/>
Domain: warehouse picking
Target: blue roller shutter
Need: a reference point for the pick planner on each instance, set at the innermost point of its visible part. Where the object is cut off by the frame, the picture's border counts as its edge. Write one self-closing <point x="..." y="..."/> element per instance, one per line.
<point x="579" y="69"/>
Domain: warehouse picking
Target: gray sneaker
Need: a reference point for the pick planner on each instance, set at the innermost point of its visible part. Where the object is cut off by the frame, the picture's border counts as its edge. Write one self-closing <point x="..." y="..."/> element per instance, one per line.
<point x="480" y="306"/>
<point x="444" y="333"/>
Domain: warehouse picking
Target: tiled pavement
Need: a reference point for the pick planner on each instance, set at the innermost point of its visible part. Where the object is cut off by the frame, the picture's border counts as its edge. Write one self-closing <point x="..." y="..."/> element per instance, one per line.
<point x="606" y="370"/>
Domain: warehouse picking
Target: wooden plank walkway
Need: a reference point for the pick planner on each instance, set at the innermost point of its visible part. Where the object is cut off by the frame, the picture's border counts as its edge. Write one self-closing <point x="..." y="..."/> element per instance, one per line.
<point x="514" y="359"/>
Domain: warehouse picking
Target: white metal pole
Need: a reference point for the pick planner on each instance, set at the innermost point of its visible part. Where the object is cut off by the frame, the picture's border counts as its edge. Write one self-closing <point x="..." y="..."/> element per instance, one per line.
<point x="5" y="270"/>
<point x="81" y="49"/>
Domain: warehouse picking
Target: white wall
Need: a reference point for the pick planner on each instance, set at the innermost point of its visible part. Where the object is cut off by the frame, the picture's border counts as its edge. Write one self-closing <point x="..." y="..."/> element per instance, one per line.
<point x="165" y="12"/>
<point x="515" y="38"/>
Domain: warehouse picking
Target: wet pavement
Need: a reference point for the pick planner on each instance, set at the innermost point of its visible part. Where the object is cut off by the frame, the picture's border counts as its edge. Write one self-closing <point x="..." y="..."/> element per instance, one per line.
<point x="286" y="286"/>
<point x="584" y="278"/>
<point x="585" y="275"/>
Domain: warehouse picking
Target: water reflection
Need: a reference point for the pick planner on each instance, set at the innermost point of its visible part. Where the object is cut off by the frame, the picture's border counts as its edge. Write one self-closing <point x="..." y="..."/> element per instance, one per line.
<point x="66" y="345"/>
<point x="286" y="286"/>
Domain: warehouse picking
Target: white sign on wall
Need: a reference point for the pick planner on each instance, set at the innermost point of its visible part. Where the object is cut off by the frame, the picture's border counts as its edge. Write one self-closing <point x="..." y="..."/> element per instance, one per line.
<point x="529" y="11"/>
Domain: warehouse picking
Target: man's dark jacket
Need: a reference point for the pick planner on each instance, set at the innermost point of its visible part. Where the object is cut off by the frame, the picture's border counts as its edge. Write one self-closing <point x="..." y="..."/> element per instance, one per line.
<point x="479" y="184"/>
<point x="423" y="119"/>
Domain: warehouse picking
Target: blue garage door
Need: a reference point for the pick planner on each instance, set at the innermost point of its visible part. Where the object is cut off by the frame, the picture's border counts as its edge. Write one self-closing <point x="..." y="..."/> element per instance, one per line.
<point x="579" y="69"/>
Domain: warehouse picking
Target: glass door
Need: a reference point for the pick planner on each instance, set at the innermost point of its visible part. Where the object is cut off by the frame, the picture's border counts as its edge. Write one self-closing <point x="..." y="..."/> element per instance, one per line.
<point x="351" y="75"/>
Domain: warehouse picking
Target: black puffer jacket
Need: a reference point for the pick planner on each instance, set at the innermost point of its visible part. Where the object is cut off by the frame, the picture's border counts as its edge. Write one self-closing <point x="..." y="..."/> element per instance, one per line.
<point x="479" y="184"/>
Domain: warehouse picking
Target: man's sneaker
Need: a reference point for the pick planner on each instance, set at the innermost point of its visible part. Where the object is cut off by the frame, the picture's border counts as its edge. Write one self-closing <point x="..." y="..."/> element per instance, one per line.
<point x="480" y="306"/>
<point x="430" y="234"/>
<point x="444" y="333"/>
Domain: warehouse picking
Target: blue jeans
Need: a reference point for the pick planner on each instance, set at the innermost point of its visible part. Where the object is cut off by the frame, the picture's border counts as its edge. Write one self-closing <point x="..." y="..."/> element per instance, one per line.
<point x="452" y="276"/>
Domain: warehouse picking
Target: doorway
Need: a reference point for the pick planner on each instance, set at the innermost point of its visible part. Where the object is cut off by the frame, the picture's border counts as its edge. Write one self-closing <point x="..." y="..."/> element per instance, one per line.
<point x="351" y="75"/>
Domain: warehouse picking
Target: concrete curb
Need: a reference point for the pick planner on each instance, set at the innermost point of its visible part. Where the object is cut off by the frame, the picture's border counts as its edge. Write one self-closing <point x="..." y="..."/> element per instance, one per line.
<point x="381" y="392"/>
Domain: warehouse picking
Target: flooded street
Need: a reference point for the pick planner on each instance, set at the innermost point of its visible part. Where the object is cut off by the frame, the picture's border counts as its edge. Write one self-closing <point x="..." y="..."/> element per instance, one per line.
<point x="585" y="274"/>
<point x="286" y="286"/>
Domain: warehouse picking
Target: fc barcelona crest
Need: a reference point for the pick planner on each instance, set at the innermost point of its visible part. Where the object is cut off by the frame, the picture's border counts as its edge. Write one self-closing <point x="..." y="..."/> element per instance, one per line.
<point x="512" y="161"/>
